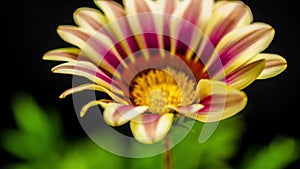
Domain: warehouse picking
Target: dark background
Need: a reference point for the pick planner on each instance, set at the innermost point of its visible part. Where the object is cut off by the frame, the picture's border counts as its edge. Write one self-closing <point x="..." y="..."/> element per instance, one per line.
<point x="30" y="31"/>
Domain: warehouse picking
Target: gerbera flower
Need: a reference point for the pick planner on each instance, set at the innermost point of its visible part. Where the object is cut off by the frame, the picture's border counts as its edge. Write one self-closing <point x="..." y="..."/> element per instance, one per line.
<point x="164" y="59"/>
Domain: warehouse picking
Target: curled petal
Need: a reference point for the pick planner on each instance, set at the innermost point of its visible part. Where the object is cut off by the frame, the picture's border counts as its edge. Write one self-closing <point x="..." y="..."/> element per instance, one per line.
<point x="186" y="109"/>
<point x="275" y="64"/>
<point x="245" y="75"/>
<point x="220" y="101"/>
<point x="89" y="18"/>
<point x="93" y="103"/>
<point x="151" y="128"/>
<point x="115" y="97"/>
<point x="118" y="114"/>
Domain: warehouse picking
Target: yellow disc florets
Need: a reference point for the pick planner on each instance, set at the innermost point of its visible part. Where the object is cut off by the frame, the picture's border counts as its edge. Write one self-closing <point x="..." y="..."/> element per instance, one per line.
<point x="157" y="88"/>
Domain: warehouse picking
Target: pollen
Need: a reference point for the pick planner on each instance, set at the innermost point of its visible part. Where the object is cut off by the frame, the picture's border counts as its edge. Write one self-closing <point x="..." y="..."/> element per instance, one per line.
<point x="157" y="88"/>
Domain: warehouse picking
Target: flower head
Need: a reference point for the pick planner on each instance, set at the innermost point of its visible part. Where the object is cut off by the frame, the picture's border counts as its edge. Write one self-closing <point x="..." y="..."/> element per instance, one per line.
<point x="165" y="59"/>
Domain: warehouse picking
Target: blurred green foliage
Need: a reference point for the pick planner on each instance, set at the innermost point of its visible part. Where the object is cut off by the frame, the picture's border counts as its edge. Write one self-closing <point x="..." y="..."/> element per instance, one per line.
<point x="39" y="143"/>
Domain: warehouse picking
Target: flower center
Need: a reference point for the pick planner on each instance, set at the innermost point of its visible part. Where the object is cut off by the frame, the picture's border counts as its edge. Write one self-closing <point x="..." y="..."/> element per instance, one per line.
<point x="157" y="88"/>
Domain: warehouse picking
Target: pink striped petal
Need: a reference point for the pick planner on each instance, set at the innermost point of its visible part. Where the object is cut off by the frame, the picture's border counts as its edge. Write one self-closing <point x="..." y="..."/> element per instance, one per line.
<point x="136" y="6"/>
<point x="240" y="45"/>
<point x="220" y="101"/>
<point x="89" y="18"/>
<point x="89" y="71"/>
<point x="151" y="128"/>
<point x="190" y="17"/>
<point x="226" y="16"/>
<point x="118" y="114"/>
<point x="111" y="9"/>
<point x="197" y="12"/>
<point x="275" y="64"/>
<point x="245" y="75"/>
<point x="162" y="6"/>
<point x="147" y="30"/>
<point x="63" y="54"/>
<point x="98" y="47"/>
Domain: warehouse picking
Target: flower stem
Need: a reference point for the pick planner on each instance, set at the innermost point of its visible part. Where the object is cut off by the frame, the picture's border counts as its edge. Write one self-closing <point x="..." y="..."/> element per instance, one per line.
<point x="168" y="154"/>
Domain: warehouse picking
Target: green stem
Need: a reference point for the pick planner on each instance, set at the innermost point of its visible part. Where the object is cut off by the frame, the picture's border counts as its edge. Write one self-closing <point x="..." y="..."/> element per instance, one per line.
<point x="168" y="154"/>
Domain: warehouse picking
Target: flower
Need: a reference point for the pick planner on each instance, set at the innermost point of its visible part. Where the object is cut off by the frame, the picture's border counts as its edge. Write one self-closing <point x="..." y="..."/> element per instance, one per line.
<point x="164" y="59"/>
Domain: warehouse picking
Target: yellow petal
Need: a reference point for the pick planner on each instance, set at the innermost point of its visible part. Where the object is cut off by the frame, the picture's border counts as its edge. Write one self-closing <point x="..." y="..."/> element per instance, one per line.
<point x="63" y="54"/>
<point x="275" y="64"/>
<point x="245" y="75"/>
<point x="151" y="128"/>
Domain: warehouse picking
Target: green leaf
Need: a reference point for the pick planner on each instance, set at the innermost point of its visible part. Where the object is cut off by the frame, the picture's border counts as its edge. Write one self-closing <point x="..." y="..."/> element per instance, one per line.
<point x="280" y="153"/>
<point x="31" y="119"/>
<point x="23" y="145"/>
<point x="37" y="136"/>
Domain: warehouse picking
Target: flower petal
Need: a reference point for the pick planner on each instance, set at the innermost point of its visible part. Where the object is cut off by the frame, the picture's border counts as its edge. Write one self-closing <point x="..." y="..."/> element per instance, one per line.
<point x="196" y="11"/>
<point x="89" y="18"/>
<point x="144" y="28"/>
<point x="245" y="75"/>
<point x="190" y="17"/>
<point x="240" y="45"/>
<point x="115" y="97"/>
<point x="93" y="103"/>
<point x="185" y="109"/>
<point x="111" y="9"/>
<point x="136" y="6"/>
<point x="226" y="16"/>
<point x="118" y="114"/>
<point x="162" y="6"/>
<point x="74" y="35"/>
<point x="63" y="54"/>
<point x="220" y="101"/>
<point x="98" y="47"/>
<point x="119" y="31"/>
<point x="89" y="71"/>
<point x="274" y="65"/>
<point x="151" y="128"/>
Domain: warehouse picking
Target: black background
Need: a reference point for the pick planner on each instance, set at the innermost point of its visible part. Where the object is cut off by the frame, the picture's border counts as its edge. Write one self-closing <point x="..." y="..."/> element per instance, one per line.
<point x="30" y="31"/>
